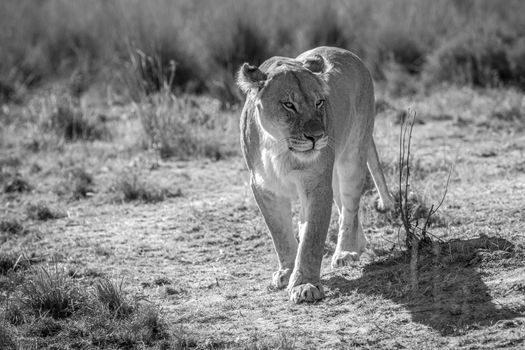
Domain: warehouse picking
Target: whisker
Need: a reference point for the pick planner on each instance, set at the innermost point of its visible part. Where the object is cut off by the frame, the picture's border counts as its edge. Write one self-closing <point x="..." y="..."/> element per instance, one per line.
<point x="331" y="142"/>
<point x="278" y="143"/>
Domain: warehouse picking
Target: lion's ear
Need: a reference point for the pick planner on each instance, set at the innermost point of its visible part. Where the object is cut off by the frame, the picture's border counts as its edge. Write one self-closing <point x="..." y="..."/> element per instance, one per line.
<point x="250" y="77"/>
<point x="315" y="64"/>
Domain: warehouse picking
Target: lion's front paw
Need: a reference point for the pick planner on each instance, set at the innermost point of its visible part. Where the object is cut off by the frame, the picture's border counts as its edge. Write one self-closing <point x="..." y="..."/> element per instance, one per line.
<point x="306" y="292"/>
<point x="344" y="258"/>
<point x="280" y="278"/>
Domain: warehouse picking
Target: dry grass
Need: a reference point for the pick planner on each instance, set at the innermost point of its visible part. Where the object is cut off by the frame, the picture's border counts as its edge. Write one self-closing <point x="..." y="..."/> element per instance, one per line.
<point x="51" y="292"/>
<point x="11" y="226"/>
<point x="10" y="262"/>
<point x="42" y="211"/>
<point x="51" y="309"/>
<point x="196" y="268"/>
<point x="63" y="115"/>
<point x="184" y="127"/>
<point x="129" y="187"/>
<point x="205" y="42"/>
<point x="14" y="183"/>
<point x="77" y="184"/>
<point x="111" y="296"/>
<point x="212" y="248"/>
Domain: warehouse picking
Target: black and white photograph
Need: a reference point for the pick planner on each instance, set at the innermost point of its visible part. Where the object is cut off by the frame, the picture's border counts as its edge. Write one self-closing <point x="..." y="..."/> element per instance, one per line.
<point x="262" y="174"/>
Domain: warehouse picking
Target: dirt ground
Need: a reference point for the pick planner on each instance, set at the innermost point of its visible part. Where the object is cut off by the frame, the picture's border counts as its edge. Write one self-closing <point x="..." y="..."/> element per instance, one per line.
<point x="205" y="256"/>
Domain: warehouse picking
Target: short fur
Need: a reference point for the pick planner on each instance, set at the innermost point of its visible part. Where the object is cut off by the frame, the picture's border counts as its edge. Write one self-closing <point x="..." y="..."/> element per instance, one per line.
<point x="306" y="132"/>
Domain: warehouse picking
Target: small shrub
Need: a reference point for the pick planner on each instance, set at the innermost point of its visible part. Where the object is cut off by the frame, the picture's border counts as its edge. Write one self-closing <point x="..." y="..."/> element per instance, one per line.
<point x="112" y="297"/>
<point x="417" y="210"/>
<point x="42" y="212"/>
<point x="479" y="57"/>
<point x="51" y="293"/>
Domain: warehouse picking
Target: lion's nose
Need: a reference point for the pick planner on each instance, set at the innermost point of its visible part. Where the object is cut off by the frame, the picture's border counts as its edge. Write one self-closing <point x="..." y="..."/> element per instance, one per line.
<point x="313" y="137"/>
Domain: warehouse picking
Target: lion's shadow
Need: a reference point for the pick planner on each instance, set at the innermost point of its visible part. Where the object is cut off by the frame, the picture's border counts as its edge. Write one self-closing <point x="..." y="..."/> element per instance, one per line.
<point x="451" y="294"/>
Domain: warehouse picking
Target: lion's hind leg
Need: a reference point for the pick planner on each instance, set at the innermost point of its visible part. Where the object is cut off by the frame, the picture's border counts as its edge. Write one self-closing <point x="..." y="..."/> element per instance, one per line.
<point x="351" y="241"/>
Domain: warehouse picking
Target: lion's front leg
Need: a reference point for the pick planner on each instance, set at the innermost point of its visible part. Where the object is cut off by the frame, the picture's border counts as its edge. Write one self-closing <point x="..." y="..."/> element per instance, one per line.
<point x="305" y="284"/>
<point x="277" y="214"/>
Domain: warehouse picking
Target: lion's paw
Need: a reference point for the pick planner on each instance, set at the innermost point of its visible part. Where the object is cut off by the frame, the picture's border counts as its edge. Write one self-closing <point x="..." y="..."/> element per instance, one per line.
<point x="344" y="258"/>
<point x="306" y="292"/>
<point x="280" y="278"/>
<point x="383" y="206"/>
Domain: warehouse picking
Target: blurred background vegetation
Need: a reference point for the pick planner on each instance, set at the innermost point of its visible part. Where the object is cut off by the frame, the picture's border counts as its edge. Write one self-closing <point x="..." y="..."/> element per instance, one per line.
<point x="196" y="46"/>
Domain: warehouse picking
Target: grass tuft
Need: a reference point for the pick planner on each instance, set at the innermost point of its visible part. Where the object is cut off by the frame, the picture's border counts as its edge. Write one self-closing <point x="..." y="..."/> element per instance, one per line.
<point x="416" y="207"/>
<point x="14" y="313"/>
<point x="131" y="188"/>
<point x="11" y="226"/>
<point x="10" y="162"/>
<point x="72" y="123"/>
<point x="184" y="127"/>
<point x="6" y="339"/>
<point x="112" y="297"/>
<point x="45" y="327"/>
<point x="42" y="212"/>
<point x="10" y="262"/>
<point x="283" y="342"/>
<point x="16" y="184"/>
<point x="78" y="184"/>
<point x="149" y="326"/>
<point x="50" y="307"/>
<point x="51" y="292"/>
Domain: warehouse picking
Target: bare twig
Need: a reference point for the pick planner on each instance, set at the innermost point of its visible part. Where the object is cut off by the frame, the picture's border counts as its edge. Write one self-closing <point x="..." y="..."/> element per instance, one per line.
<point x="416" y="235"/>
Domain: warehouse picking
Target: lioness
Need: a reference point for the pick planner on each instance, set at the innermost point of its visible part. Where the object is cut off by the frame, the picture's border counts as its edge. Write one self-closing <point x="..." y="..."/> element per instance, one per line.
<point x="306" y="131"/>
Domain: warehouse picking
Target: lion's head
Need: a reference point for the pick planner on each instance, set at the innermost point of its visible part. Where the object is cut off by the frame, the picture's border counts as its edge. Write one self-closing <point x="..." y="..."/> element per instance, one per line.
<point x="290" y="102"/>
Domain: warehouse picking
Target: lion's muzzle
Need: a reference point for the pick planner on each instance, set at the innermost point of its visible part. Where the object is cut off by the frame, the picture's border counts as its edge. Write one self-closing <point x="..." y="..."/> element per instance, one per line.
<point x="308" y="143"/>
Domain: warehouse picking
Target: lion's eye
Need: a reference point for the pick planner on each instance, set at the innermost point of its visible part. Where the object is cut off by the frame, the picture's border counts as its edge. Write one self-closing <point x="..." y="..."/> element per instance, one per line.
<point x="319" y="103"/>
<point x="289" y="105"/>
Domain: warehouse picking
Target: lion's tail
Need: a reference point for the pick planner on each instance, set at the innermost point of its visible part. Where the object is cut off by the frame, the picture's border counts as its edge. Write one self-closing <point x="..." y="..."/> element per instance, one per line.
<point x="386" y="202"/>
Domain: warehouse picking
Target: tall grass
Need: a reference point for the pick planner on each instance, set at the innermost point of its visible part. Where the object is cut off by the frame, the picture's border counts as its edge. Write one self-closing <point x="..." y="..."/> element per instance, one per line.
<point x="207" y="40"/>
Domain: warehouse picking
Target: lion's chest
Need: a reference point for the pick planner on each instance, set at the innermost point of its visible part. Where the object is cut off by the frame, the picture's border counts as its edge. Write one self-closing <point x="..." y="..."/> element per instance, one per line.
<point x="277" y="174"/>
